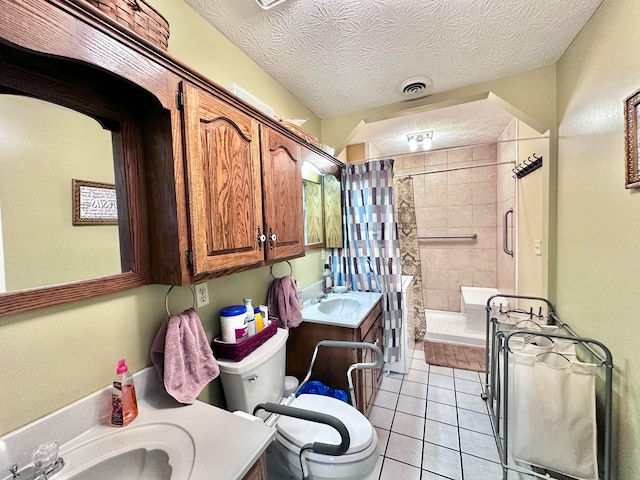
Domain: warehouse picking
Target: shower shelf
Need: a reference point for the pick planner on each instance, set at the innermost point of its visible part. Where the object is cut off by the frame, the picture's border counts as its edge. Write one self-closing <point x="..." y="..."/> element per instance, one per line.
<point x="500" y="382"/>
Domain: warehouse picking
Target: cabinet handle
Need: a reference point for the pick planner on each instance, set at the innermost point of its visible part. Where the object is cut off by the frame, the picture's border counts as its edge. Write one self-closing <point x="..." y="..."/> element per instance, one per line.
<point x="261" y="239"/>
<point x="272" y="239"/>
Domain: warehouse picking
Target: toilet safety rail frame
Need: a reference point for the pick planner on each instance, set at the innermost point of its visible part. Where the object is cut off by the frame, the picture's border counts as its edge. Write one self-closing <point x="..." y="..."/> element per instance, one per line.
<point x="497" y="397"/>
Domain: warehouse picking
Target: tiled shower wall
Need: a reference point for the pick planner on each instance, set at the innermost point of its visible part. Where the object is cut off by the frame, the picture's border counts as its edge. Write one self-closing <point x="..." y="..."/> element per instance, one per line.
<point x="459" y="202"/>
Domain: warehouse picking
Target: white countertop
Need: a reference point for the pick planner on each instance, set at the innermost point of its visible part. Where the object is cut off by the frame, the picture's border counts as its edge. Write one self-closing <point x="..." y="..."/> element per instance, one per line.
<point x="225" y="445"/>
<point x="368" y="300"/>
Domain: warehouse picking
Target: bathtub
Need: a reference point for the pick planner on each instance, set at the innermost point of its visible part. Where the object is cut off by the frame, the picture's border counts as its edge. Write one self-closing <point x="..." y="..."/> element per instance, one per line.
<point x="473" y="301"/>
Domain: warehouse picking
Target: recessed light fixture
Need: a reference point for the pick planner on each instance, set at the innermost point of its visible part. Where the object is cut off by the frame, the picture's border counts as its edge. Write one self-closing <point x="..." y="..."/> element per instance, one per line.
<point x="267" y="4"/>
<point x="419" y="138"/>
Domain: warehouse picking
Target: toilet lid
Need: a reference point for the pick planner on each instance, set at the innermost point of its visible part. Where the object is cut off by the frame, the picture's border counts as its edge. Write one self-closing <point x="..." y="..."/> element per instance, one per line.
<point x="302" y="432"/>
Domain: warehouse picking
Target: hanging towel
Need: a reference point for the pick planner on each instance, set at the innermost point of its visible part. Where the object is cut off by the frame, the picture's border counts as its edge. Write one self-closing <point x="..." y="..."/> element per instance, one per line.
<point x="182" y="356"/>
<point x="283" y="301"/>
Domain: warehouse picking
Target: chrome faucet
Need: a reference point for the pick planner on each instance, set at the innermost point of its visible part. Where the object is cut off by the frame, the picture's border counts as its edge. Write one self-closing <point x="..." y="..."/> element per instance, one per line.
<point x="46" y="463"/>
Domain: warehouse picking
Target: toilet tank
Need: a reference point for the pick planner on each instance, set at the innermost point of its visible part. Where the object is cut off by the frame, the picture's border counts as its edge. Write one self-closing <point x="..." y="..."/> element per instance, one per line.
<point x="257" y="378"/>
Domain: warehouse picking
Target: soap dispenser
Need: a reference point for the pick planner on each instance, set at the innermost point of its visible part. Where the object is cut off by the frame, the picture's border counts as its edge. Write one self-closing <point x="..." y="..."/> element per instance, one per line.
<point x="124" y="406"/>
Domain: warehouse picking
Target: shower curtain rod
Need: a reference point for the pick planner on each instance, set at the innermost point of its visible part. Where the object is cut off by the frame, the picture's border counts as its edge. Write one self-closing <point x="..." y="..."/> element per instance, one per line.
<point x="385" y="157"/>
<point x="453" y="169"/>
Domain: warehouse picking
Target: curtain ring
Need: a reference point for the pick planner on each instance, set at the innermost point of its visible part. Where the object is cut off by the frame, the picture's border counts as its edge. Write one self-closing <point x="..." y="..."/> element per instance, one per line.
<point x="166" y="298"/>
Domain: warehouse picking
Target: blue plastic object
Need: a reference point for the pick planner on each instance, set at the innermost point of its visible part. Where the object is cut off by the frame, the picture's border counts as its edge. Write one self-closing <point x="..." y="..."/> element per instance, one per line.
<point x="315" y="387"/>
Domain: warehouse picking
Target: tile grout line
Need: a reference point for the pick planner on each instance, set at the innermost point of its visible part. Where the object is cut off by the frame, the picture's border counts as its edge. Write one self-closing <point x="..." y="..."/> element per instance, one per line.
<point x="424" y="427"/>
<point x="458" y="427"/>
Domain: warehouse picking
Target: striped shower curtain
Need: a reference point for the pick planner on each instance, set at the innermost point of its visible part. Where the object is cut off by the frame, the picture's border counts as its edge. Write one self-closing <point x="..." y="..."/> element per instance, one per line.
<point x="370" y="259"/>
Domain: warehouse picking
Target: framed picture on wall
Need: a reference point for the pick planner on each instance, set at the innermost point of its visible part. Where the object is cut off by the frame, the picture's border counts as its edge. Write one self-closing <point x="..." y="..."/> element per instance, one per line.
<point x="94" y="203"/>
<point x="631" y="122"/>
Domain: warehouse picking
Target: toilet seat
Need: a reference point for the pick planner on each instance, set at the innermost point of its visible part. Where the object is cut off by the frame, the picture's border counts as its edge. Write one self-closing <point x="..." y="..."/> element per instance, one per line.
<point x="357" y="463"/>
<point x="299" y="432"/>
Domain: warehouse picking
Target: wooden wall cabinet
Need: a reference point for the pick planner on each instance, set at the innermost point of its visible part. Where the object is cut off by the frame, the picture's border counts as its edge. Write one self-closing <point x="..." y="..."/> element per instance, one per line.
<point x="203" y="175"/>
<point x="222" y="150"/>
<point x="244" y="187"/>
<point x="282" y="195"/>
<point x="332" y="363"/>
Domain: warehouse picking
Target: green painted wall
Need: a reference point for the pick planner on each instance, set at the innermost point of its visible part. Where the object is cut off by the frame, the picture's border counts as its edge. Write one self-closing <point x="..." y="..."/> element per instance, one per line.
<point x="52" y="357"/>
<point x="598" y="220"/>
<point x="36" y="195"/>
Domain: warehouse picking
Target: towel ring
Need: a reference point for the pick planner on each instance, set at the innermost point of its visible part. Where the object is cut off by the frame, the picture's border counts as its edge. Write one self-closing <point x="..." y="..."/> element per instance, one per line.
<point x="290" y="270"/>
<point x="166" y="298"/>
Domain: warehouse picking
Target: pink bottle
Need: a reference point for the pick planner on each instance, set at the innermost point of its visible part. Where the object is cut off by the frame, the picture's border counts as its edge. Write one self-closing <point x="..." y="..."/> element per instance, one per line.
<point x="124" y="406"/>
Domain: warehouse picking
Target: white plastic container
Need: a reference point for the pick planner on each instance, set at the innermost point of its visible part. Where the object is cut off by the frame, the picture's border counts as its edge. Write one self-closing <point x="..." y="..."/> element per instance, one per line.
<point x="251" y="318"/>
<point x="233" y="323"/>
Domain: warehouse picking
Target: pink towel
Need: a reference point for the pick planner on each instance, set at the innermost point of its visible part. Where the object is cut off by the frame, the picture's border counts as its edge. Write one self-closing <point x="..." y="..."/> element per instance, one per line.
<point x="182" y="356"/>
<point x="283" y="301"/>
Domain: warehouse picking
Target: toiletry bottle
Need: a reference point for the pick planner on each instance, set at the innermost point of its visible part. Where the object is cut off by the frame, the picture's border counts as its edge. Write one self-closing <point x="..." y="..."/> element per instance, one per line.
<point x="251" y="318"/>
<point x="258" y="315"/>
<point x="124" y="406"/>
<point x="327" y="280"/>
<point x="264" y="313"/>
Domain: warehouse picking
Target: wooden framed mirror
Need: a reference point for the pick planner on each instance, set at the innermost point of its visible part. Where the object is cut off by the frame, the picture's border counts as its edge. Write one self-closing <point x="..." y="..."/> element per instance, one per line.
<point x="68" y="120"/>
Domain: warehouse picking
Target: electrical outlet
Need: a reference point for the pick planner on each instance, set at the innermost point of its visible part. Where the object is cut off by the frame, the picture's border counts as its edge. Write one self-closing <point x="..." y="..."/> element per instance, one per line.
<point x="202" y="294"/>
<point x="537" y="247"/>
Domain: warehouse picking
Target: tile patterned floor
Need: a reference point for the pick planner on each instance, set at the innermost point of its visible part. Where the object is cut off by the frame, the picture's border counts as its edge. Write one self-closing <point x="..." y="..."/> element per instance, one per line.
<point x="433" y="425"/>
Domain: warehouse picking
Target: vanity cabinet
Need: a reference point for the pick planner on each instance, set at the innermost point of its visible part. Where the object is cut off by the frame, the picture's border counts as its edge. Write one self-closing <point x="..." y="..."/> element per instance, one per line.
<point x="259" y="469"/>
<point x="332" y="363"/>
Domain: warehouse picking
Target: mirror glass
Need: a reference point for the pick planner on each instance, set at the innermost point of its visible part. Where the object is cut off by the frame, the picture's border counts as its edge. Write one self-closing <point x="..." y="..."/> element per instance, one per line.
<point x="43" y="147"/>
<point x="332" y="209"/>
<point x="313" y="219"/>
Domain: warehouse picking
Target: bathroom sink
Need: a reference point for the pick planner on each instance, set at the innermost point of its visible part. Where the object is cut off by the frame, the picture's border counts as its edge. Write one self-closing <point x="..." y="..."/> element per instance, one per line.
<point x="343" y="309"/>
<point x="339" y="306"/>
<point x="158" y="451"/>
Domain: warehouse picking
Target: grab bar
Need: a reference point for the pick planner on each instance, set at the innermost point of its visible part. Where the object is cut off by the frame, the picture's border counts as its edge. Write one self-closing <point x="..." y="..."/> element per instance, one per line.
<point x="505" y="237"/>
<point x="361" y="366"/>
<point x="473" y="236"/>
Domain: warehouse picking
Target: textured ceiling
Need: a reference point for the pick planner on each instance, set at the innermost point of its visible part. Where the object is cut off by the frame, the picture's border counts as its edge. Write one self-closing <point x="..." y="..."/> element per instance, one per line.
<point x="342" y="56"/>
<point x="472" y="123"/>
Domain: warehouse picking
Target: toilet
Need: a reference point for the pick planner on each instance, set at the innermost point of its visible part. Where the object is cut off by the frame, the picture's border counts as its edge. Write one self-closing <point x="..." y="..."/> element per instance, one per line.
<point x="260" y="378"/>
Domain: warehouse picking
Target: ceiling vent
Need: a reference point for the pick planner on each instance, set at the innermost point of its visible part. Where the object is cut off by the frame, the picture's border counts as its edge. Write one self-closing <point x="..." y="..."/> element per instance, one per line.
<point x="415" y="87"/>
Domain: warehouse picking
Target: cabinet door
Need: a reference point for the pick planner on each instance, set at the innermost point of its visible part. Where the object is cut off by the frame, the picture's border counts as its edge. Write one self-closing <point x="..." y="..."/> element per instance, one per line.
<point x="223" y="181"/>
<point x="282" y="195"/>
